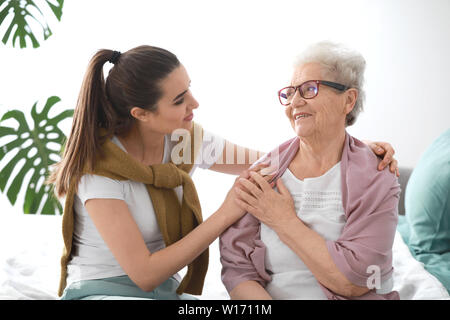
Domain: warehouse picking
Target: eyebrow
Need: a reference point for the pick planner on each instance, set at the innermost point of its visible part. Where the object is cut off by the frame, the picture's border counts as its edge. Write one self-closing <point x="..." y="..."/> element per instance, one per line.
<point x="181" y="94"/>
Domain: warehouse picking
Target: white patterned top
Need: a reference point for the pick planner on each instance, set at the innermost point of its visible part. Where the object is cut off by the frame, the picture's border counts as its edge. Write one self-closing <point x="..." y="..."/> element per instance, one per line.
<point x="318" y="203"/>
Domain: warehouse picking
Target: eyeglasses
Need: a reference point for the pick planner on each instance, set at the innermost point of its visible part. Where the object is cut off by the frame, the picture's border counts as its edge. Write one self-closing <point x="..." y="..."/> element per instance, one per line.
<point x="307" y="90"/>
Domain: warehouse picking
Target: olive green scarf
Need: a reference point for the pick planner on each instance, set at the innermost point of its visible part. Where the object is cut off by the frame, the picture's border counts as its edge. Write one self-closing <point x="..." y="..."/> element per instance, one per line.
<point x="174" y="221"/>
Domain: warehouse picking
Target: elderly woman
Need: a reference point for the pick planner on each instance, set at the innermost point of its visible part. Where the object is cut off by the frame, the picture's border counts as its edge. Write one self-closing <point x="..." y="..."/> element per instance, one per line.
<point x="326" y="231"/>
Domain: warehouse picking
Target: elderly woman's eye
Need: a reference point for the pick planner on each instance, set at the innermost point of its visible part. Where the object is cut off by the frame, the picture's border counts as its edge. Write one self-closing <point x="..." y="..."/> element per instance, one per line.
<point x="289" y="93"/>
<point x="309" y="90"/>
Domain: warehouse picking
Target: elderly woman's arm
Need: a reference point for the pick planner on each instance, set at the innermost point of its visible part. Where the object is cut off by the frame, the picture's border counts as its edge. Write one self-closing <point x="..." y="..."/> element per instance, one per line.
<point x="312" y="249"/>
<point x="277" y="211"/>
<point x="235" y="158"/>
<point x="249" y="290"/>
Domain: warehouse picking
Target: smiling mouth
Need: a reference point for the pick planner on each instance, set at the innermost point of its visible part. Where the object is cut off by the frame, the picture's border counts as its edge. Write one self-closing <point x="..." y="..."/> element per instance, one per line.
<point x="301" y="116"/>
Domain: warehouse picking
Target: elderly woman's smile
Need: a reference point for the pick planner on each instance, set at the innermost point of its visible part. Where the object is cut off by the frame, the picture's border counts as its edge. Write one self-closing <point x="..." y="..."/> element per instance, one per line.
<point x="299" y="120"/>
<point x="301" y="115"/>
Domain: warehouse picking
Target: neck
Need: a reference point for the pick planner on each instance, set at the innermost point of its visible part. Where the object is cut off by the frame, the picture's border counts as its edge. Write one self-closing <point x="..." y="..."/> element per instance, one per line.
<point x="143" y="144"/>
<point x="321" y="151"/>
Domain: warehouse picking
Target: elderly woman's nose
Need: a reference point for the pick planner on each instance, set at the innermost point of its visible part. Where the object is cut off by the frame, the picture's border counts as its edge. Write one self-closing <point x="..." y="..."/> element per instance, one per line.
<point x="298" y="100"/>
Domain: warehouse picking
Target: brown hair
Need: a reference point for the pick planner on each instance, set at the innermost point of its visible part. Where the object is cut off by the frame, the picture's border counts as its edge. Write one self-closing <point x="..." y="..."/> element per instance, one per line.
<point x="132" y="82"/>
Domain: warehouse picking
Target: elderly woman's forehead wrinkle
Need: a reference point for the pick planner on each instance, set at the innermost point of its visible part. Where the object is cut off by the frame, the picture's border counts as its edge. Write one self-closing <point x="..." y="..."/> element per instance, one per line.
<point x="308" y="71"/>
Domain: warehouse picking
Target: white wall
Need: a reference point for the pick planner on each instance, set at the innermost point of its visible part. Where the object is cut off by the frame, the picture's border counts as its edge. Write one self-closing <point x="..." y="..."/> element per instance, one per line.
<point x="239" y="53"/>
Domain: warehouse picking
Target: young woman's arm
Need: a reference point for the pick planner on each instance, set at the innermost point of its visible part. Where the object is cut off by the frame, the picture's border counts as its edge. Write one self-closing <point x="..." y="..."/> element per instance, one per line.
<point x="236" y="159"/>
<point x="148" y="270"/>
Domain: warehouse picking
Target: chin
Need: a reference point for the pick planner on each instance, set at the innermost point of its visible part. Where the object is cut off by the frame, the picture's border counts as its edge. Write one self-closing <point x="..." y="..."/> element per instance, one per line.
<point x="186" y="125"/>
<point x="179" y="126"/>
<point x="302" y="131"/>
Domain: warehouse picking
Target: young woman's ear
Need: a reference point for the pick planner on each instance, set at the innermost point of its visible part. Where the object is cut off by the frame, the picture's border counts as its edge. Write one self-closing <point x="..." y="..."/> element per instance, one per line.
<point x="139" y="113"/>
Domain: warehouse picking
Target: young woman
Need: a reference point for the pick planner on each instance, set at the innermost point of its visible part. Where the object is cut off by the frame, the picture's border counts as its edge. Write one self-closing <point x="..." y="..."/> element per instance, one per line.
<point x="132" y="218"/>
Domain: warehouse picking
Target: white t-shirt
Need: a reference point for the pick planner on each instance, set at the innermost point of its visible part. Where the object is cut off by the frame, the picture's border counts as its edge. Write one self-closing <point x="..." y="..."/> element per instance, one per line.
<point x="91" y="258"/>
<point x="318" y="203"/>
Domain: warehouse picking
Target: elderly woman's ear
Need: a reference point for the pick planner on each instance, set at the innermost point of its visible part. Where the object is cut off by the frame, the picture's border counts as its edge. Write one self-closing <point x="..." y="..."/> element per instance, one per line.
<point x="351" y="95"/>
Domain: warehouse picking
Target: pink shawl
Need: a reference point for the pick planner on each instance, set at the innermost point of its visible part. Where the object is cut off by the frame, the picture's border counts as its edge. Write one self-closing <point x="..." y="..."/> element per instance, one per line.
<point x="370" y="201"/>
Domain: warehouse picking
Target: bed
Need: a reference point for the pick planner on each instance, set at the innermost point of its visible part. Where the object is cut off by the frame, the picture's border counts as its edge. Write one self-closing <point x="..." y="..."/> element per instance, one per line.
<point x="29" y="263"/>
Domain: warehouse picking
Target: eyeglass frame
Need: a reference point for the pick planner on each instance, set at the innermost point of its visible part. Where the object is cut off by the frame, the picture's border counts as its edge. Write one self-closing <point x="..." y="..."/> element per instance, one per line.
<point x="330" y="84"/>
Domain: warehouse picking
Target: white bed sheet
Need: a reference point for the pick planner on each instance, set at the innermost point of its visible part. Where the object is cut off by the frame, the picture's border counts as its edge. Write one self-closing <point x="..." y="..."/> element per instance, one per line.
<point x="31" y="247"/>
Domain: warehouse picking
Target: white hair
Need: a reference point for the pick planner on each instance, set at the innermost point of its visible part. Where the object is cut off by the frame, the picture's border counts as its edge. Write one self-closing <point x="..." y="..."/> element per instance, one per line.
<point x="343" y="65"/>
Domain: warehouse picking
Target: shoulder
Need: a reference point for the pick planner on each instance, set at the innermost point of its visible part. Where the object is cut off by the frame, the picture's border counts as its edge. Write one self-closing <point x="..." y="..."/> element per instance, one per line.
<point x="362" y="166"/>
<point x="210" y="148"/>
<point x="365" y="189"/>
<point x="95" y="186"/>
<point x="212" y="141"/>
<point x="97" y="180"/>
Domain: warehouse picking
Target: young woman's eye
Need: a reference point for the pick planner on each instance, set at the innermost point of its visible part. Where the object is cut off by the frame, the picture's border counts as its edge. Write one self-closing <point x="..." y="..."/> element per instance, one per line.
<point x="179" y="102"/>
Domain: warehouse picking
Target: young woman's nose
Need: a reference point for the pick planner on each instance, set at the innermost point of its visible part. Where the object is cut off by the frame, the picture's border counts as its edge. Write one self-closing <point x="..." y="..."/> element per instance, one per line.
<point x="193" y="103"/>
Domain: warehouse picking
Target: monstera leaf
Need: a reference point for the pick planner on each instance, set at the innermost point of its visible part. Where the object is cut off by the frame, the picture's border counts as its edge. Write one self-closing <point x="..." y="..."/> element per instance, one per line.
<point x="35" y="146"/>
<point x="22" y="11"/>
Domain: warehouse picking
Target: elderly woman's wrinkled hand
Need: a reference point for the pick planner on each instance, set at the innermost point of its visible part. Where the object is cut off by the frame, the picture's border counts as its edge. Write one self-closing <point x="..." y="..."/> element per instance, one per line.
<point x="272" y="208"/>
<point x="229" y="205"/>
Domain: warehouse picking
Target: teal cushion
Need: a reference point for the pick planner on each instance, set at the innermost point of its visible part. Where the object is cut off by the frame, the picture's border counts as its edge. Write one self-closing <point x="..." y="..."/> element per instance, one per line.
<point x="427" y="206"/>
<point x="403" y="228"/>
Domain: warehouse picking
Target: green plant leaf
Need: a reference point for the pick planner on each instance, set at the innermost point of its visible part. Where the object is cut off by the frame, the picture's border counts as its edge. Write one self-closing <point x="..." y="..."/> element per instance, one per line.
<point x="21" y="12"/>
<point x="25" y="142"/>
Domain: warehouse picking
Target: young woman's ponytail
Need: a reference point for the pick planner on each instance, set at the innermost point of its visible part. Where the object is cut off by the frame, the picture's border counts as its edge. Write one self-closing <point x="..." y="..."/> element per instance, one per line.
<point x="91" y="110"/>
<point x="133" y="81"/>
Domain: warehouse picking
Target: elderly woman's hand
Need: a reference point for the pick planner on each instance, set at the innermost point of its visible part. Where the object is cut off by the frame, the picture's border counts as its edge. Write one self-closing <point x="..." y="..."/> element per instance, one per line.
<point x="229" y="205"/>
<point x="272" y="208"/>
<point x="386" y="151"/>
